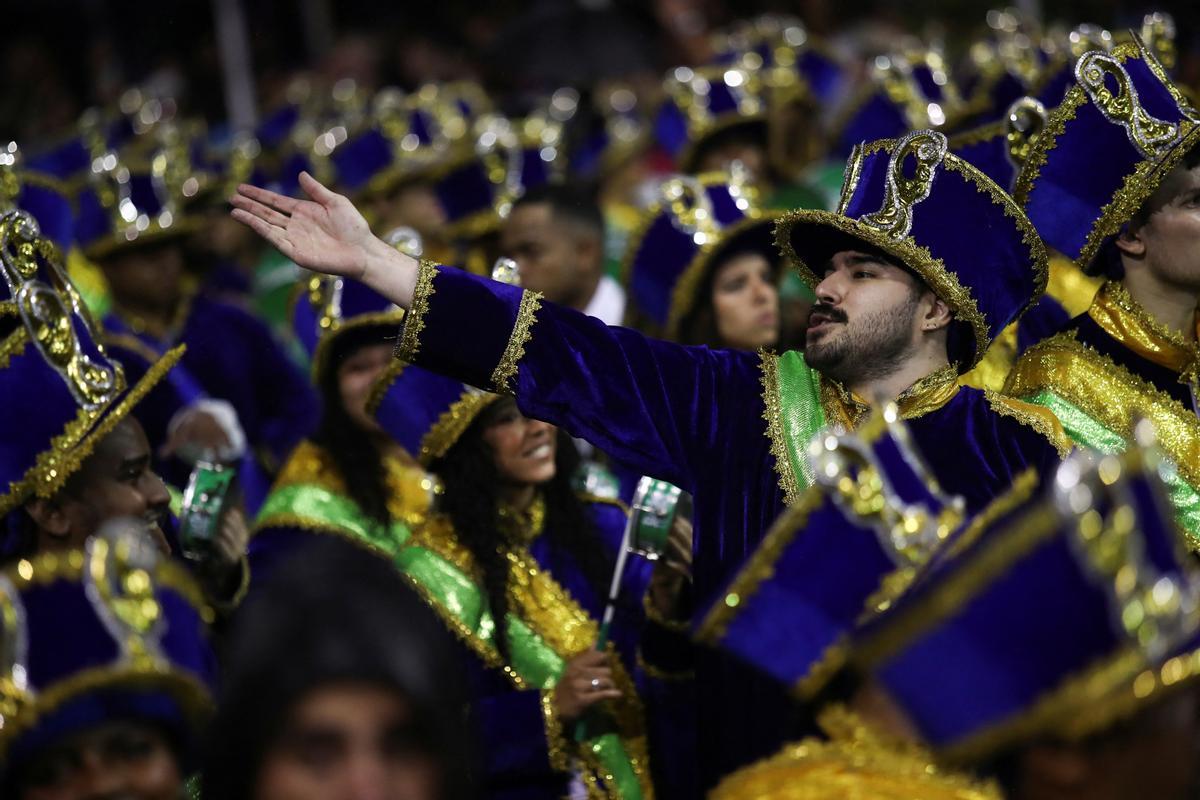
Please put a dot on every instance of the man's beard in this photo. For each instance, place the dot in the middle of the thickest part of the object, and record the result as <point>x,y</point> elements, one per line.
<point>872,348</point>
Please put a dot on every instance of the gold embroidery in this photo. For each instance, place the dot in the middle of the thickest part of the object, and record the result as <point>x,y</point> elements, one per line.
<point>514,351</point>
<point>523,526</point>
<point>1146,176</point>
<point>854,165</point>
<point>1109,394</point>
<point>856,761</point>
<point>409,488</point>
<point>557,744</point>
<point>453,423</point>
<point>894,218</point>
<point>925,396</point>
<point>773,416</point>
<point>1037,417</point>
<point>410,334</point>
<point>1025,121</point>
<point>555,617</point>
<point>1152,136</point>
<point>79,438</point>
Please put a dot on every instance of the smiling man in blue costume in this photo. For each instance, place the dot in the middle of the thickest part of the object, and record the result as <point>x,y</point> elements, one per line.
<point>132,222</point>
<point>925,261</point>
<point>1114,184</point>
<point>105,673</point>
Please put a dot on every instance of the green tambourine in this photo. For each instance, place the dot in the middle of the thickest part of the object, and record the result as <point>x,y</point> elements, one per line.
<point>655,505</point>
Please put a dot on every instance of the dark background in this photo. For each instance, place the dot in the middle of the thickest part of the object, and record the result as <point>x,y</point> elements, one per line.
<point>60,56</point>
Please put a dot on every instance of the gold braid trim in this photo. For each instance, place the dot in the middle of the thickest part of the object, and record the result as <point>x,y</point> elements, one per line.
<point>557,744</point>
<point>773,416</point>
<point>383,383</point>
<point>414,321</point>
<point>1039,418</point>
<point>79,438</point>
<point>1056,123</point>
<point>452,424</point>
<point>1138,185</point>
<point>1080,705</point>
<point>514,351</point>
<point>1003,548</point>
<point>13,344</point>
<point>1109,394</point>
<point>1126,321</point>
<point>978,135</point>
<point>550,612</point>
<point>855,762</point>
<point>759,568</point>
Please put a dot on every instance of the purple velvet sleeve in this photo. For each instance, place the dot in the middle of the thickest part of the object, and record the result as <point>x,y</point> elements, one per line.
<point>653,405</point>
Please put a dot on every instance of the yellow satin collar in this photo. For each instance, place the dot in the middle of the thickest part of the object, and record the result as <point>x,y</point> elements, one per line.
<point>1120,316</point>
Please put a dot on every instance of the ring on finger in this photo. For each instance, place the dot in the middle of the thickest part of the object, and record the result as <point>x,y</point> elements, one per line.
<point>595,684</point>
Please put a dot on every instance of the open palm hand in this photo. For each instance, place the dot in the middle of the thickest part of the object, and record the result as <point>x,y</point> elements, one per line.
<point>325,234</point>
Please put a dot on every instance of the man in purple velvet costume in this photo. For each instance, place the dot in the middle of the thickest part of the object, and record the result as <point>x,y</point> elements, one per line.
<point>924,263</point>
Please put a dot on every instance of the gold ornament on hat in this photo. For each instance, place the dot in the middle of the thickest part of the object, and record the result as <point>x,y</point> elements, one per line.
<point>902,192</point>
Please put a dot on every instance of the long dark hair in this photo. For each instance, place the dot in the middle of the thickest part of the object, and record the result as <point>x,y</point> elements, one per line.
<point>471,500</point>
<point>355,452</point>
<point>334,613</point>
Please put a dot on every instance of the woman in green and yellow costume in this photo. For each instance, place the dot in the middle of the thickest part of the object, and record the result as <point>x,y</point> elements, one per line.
<point>518,565</point>
<point>348,477</point>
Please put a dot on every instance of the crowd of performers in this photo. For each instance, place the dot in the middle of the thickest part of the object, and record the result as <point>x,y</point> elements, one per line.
<point>812,424</point>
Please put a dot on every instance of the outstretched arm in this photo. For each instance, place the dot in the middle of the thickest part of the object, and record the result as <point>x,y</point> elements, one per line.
<point>326,234</point>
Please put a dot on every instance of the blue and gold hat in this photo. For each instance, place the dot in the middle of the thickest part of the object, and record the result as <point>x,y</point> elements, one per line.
<point>905,92</point>
<point>1121,128</point>
<point>1003,66</point>
<point>114,631</point>
<point>874,510</point>
<point>60,391</point>
<point>45,197</point>
<point>942,218</point>
<point>704,102</point>
<point>681,238</point>
<point>404,139</point>
<point>327,308</point>
<point>1054,617</point>
<point>1058,73</point>
<point>999,149</point>
<point>127,205</point>
<point>425,412</point>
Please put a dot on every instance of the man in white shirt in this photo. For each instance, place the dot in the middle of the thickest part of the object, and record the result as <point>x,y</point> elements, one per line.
<point>555,233</point>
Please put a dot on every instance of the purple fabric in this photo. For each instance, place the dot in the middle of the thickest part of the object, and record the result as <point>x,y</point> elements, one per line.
<point>694,417</point>
<point>233,356</point>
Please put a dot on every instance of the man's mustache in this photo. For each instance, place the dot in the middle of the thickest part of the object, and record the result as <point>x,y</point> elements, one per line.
<point>827,311</point>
